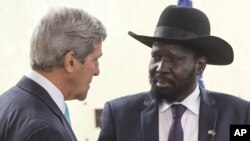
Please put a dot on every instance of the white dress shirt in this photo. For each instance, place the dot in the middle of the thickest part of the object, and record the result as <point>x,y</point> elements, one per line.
<point>53,91</point>
<point>189,120</point>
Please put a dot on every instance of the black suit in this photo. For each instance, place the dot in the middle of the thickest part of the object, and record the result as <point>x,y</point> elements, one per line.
<point>28,113</point>
<point>135,118</point>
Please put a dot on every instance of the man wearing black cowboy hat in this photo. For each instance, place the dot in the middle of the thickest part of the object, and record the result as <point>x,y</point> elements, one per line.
<point>176,108</point>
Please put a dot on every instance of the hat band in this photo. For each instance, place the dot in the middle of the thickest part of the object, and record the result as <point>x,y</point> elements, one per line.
<point>172,33</point>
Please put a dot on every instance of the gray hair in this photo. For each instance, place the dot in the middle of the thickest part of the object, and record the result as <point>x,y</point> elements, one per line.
<point>62,30</point>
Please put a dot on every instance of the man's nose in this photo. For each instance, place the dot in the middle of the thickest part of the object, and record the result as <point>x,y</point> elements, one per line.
<point>97,71</point>
<point>163,65</point>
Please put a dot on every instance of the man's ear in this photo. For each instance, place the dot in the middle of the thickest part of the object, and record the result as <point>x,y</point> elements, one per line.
<point>201,64</point>
<point>69,61</point>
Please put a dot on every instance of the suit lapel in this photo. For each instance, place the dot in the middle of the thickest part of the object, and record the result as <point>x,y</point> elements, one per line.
<point>149,120</point>
<point>208,118</point>
<point>36,90</point>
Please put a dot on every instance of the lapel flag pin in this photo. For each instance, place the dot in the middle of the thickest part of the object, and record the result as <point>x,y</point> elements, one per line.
<point>211,132</point>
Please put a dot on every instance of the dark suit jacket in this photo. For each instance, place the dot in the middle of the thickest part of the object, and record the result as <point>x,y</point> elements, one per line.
<point>27,113</point>
<point>135,118</point>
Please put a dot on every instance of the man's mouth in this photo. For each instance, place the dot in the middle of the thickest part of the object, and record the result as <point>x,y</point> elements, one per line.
<point>163,83</point>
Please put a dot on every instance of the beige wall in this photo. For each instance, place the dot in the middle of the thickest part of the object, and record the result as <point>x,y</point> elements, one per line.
<point>124,65</point>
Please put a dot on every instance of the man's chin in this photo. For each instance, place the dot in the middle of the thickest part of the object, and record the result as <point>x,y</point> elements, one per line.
<point>163,93</point>
<point>82,96</point>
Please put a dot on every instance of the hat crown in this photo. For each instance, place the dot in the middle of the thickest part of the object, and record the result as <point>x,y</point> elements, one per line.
<point>189,27</point>
<point>188,20</point>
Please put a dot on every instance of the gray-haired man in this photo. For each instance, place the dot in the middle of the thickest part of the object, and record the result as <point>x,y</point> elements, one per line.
<point>65,48</point>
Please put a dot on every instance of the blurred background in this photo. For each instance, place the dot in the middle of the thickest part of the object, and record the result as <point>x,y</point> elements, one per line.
<point>124,64</point>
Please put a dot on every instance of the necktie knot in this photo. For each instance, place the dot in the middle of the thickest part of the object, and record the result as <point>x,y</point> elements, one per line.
<point>178,110</point>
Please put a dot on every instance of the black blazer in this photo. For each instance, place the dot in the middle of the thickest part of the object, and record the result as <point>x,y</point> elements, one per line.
<point>27,113</point>
<point>135,118</point>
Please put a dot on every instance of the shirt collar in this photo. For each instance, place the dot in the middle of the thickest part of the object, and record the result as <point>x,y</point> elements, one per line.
<point>53,91</point>
<point>192,102</point>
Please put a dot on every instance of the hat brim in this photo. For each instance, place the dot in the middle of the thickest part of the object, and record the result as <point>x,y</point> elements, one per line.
<point>217,51</point>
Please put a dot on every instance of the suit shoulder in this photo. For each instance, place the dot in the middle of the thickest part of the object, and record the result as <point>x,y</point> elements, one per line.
<point>122,107</point>
<point>227,98</point>
<point>129,101</point>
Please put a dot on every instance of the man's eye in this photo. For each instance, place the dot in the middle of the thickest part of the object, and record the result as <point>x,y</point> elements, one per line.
<point>156,58</point>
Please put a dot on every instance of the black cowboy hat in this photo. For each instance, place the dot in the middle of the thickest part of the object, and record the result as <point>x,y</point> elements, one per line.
<point>189,27</point>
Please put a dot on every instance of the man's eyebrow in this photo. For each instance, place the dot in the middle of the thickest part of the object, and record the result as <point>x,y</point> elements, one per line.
<point>156,51</point>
